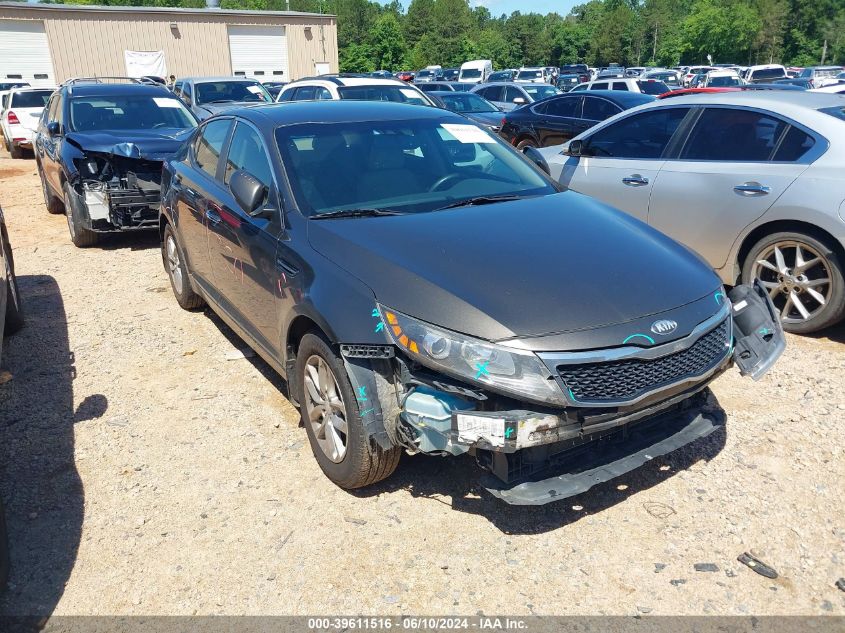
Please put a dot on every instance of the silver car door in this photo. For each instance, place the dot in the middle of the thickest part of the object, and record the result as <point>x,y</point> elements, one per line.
<point>733,167</point>
<point>624,159</point>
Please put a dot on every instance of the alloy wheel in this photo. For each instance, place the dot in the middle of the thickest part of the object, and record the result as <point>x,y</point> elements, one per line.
<point>797,278</point>
<point>325,409</point>
<point>174,264</point>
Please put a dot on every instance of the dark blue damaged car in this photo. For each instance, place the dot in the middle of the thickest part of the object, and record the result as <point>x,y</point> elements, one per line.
<point>423,287</point>
<point>99,148</point>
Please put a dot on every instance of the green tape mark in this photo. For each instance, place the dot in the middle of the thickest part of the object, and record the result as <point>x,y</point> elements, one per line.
<point>645,336</point>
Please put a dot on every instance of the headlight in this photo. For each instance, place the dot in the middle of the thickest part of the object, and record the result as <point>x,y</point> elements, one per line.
<point>515,372</point>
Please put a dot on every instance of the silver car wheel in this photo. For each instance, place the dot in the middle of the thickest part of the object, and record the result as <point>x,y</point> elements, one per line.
<point>174,264</point>
<point>797,278</point>
<point>325,409</point>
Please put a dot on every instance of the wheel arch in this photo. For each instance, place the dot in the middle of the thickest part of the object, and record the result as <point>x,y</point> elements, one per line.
<point>777,226</point>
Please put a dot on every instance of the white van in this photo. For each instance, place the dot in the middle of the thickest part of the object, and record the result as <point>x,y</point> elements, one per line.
<point>475,72</point>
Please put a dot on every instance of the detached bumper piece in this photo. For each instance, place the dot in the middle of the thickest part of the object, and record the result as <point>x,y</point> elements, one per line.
<point>605,460</point>
<point>758,330</point>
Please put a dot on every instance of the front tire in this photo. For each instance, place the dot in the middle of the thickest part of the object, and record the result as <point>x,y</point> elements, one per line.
<point>81,236</point>
<point>333,420</point>
<point>177,270</point>
<point>526,142</point>
<point>804,277</point>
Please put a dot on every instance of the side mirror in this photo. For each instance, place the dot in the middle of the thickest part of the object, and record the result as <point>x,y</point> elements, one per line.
<point>576,148</point>
<point>54,128</point>
<point>249,192</point>
<point>532,154</point>
<point>520,101</point>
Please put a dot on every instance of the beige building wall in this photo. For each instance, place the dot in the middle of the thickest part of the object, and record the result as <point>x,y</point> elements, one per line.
<point>92,42</point>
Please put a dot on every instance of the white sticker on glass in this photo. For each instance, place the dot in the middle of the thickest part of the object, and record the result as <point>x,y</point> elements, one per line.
<point>467,133</point>
<point>167,102</point>
<point>256,90</point>
<point>411,94</point>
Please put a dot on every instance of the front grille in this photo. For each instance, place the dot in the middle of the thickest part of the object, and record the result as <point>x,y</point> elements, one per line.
<point>623,380</point>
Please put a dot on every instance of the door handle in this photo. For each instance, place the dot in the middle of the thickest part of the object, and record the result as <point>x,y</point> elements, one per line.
<point>752,189</point>
<point>213,217</point>
<point>285,266</point>
<point>635,180</point>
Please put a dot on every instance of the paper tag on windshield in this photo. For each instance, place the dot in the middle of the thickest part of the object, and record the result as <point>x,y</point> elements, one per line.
<point>167,102</point>
<point>411,94</point>
<point>467,133</point>
<point>256,90</point>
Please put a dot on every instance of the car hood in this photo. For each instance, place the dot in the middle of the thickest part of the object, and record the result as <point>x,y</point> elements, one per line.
<point>146,144</point>
<point>486,118</point>
<point>528,268</point>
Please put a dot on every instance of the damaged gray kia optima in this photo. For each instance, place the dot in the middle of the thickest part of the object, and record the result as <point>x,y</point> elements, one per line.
<point>421,286</point>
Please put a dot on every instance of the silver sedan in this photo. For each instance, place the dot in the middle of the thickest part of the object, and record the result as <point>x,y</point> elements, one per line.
<point>752,181</point>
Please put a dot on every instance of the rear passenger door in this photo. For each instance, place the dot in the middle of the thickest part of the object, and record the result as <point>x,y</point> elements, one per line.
<point>559,119</point>
<point>733,166</point>
<point>624,159</point>
<point>493,94</point>
<point>594,110</point>
<point>197,195</point>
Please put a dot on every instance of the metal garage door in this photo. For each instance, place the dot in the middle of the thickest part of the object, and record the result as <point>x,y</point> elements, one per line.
<point>24,52</point>
<point>260,52</point>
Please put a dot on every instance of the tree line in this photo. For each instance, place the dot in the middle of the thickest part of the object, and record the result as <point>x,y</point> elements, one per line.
<point>373,36</point>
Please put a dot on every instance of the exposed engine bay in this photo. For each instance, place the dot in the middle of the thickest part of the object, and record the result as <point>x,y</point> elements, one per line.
<point>119,193</point>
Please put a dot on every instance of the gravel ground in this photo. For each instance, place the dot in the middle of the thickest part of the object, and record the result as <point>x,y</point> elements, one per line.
<point>144,473</point>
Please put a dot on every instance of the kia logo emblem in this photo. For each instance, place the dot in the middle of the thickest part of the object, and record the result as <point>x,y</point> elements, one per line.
<point>664,326</point>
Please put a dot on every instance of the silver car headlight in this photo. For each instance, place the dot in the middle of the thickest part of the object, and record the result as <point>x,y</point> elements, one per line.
<point>514,372</point>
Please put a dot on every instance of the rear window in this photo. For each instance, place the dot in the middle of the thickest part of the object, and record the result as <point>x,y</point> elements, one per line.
<point>768,73</point>
<point>231,92</point>
<point>381,93</point>
<point>653,87</point>
<point>32,99</point>
<point>541,91</point>
<point>529,74</point>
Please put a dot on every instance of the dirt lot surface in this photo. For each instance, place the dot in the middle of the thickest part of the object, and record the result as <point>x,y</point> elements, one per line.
<point>144,473</point>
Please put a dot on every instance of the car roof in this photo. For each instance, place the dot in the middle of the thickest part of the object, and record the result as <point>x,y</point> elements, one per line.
<point>351,81</point>
<point>625,98</point>
<point>340,111</point>
<point>202,80</point>
<point>97,89</point>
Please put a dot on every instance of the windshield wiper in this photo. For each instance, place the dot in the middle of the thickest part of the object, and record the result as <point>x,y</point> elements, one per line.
<point>354,213</point>
<point>222,101</point>
<point>479,200</point>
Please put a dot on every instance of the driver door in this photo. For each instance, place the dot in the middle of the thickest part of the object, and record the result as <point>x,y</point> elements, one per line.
<point>624,160</point>
<point>242,247</point>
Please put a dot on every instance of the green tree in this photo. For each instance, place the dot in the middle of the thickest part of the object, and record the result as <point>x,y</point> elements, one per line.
<point>388,43</point>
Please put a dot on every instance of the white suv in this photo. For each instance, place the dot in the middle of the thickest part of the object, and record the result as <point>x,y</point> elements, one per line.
<point>352,87</point>
<point>647,86</point>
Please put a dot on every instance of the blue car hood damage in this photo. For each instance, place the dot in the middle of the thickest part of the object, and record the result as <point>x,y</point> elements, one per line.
<point>144,144</point>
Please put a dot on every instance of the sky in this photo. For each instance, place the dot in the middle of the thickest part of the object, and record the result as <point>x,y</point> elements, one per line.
<point>497,7</point>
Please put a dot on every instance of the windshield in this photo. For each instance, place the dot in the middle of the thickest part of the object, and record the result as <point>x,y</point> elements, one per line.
<point>720,82</point>
<point>231,91</point>
<point>382,93</point>
<point>470,73</point>
<point>768,73</point>
<point>541,92</point>
<point>14,84</point>
<point>424,73</point>
<point>653,87</point>
<point>411,166</point>
<point>467,102</point>
<point>117,112</point>
<point>530,74</point>
<point>31,99</point>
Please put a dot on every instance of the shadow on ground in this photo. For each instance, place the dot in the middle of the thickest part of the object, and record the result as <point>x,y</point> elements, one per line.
<point>131,240</point>
<point>39,482</point>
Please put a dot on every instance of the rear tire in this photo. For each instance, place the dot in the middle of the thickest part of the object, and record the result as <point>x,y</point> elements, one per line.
<point>359,465</point>
<point>81,236</point>
<point>14,311</point>
<point>15,151</point>
<point>794,283</point>
<point>177,270</point>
